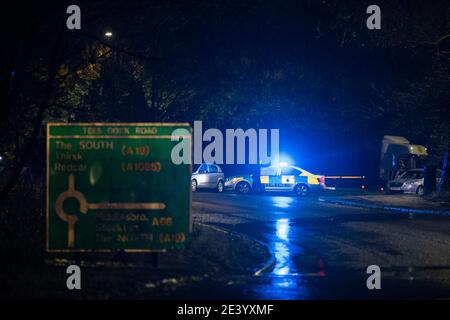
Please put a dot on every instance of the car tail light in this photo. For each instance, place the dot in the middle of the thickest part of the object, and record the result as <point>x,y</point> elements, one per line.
<point>321,180</point>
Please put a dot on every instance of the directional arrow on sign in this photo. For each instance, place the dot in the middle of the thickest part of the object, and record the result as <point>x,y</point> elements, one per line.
<point>71,219</point>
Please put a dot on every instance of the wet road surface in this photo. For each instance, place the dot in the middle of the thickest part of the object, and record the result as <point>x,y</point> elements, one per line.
<point>322,251</point>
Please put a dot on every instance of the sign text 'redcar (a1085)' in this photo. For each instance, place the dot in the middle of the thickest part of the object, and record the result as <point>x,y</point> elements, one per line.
<point>113,186</point>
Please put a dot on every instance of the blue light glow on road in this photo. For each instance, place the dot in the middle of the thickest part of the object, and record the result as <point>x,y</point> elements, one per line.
<point>282,202</point>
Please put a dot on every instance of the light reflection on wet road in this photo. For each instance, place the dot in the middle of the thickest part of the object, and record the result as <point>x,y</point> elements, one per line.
<point>322,251</point>
<point>281,249</point>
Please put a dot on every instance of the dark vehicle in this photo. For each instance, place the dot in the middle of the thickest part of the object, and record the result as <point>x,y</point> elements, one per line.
<point>398,155</point>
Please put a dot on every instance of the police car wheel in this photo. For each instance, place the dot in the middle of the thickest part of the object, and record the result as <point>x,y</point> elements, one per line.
<point>219,188</point>
<point>243,187</point>
<point>301,190</point>
<point>193,185</point>
<point>420,191</point>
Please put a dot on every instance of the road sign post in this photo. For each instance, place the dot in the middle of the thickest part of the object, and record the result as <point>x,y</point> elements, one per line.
<point>113,186</point>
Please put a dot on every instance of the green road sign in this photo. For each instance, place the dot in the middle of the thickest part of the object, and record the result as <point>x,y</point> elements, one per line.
<point>114,186</point>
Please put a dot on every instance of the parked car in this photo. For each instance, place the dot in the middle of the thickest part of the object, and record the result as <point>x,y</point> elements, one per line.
<point>410,181</point>
<point>279,178</point>
<point>208,176</point>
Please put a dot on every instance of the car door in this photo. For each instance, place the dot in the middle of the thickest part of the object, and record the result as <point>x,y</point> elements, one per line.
<point>213,175</point>
<point>270,178</point>
<point>417,179</point>
<point>288,176</point>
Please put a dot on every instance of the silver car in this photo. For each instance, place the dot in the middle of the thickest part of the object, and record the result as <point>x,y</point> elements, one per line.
<point>409,182</point>
<point>208,176</point>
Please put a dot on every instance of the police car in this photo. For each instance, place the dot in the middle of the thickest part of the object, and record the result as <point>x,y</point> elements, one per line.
<point>279,178</point>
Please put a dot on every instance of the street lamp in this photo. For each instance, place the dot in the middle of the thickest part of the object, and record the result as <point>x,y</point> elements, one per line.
<point>108,34</point>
